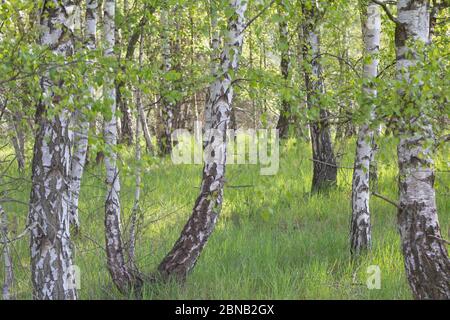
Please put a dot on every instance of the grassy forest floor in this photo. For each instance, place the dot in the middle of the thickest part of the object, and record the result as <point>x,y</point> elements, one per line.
<point>273,241</point>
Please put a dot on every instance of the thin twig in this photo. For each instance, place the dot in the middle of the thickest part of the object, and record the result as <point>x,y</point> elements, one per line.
<point>387,200</point>
<point>386,9</point>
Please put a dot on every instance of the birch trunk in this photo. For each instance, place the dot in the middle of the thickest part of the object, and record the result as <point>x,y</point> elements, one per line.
<point>285,112</point>
<point>137,189</point>
<point>167,106</point>
<point>141,114</point>
<point>51,253</point>
<point>425,254</point>
<point>183,256</point>
<point>360,230</point>
<point>122,277</point>
<point>324,162</point>
<point>80,145</point>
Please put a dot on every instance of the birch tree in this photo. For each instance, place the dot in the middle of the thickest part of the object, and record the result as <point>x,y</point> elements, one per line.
<point>82,124</point>
<point>360,230</point>
<point>426,259</point>
<point>285,112</point>
<point>124,279</point>
<point>167,105</point>
<point>183,256</point>
<point>324,162</point>
<point>51,253</point>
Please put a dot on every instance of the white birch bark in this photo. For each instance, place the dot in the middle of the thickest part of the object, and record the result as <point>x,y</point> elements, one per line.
<point>182,258</point>
<point>215,64</point>
<point>122,277</point>
<point>51,253</point>
<point>360,231</point>
<point>167,107</point>
<point>80,144</point>
<point>426,258</point>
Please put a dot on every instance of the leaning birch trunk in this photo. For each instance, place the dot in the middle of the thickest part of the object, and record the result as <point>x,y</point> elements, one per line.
<point>80,145</point>
<point>7,259</point>
<point>425,254</point>
<point>51,253</point>
<point>183,256</point>
<point>122,277</point>
<point>324,162</point>
<point>360,230</point>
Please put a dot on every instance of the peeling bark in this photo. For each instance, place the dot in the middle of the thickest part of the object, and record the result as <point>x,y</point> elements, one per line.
<point>360,230</point>
<point>183,256</point>
<point>124,279</point>
<point>51,253</point>
<point>426,258</point>
<point>324,164</point>
<point>81,122</point>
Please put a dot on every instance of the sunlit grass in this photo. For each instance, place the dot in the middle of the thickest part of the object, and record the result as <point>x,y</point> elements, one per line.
<point>274,240</point>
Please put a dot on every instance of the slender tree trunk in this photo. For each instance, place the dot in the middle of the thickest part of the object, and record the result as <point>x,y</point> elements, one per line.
<point>122,277</point>
<point>426,259</point>
<point>141,114</point>
<point>7,259</point>
<point>324,162</point>
<point>214,65</point>
<point>167,105</point>
<point>360,231</point>
<point>284,119</point>
<point>17,137</point>
<point>137,195</point>
<point>80,145</point>
<point>183,256</point>
<point>51,253</point>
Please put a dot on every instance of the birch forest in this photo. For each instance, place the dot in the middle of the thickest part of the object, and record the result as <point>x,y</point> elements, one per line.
<point>224,149</point>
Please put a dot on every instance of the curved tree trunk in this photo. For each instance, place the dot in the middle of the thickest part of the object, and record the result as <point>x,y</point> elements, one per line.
<point>124,279</point>
<point>360,230</point>
<point>183,256</point>
<point>51,254</point>
<point>324,162</point>
<point>80,145</point>
<point>426,259</point>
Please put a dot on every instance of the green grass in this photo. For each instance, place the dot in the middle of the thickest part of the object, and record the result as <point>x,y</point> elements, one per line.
<point>273,240</point>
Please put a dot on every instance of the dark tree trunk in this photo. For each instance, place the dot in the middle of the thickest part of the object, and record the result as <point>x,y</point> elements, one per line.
<point>324,162</point>
<point>285,117</point>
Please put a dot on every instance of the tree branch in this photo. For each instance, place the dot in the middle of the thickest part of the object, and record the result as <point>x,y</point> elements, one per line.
<point>383,5</point>
<point>387,200</point>
<point>258,15</point>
